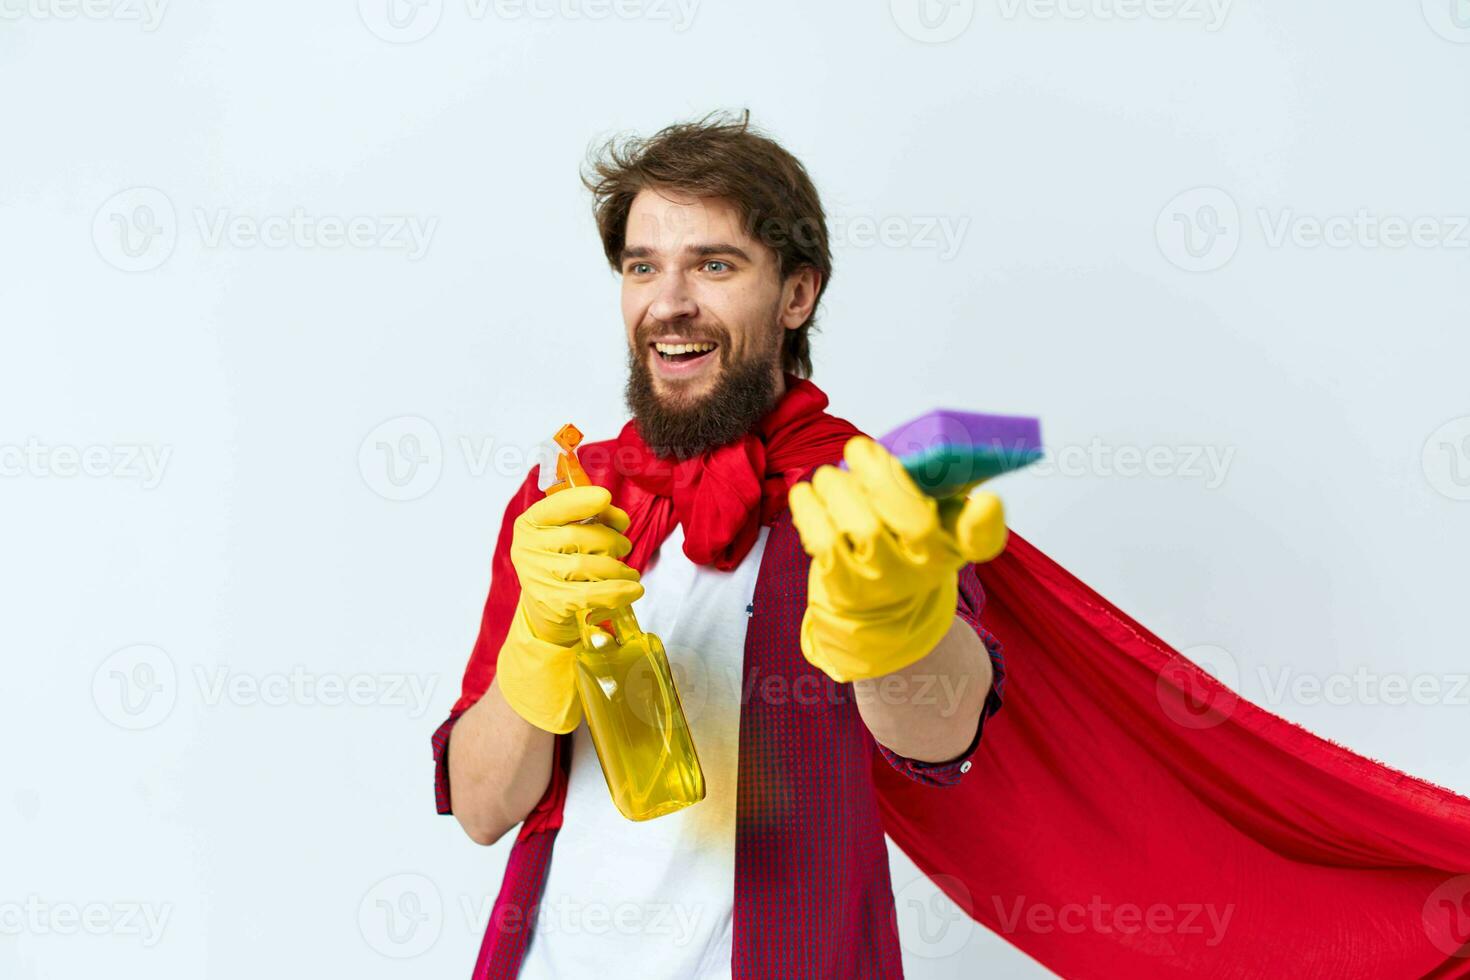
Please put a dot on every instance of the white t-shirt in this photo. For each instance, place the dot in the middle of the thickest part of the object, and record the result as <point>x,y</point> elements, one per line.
<point>653,899</point>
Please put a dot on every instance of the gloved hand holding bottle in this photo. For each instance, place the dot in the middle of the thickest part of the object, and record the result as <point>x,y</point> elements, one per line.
<point>564,566</point>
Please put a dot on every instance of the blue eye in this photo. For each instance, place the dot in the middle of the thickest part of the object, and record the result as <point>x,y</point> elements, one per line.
<point>723,266</point>
<point>640,268</point>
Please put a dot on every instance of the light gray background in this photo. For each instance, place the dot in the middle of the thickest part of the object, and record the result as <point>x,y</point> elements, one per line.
<point>156,765</point>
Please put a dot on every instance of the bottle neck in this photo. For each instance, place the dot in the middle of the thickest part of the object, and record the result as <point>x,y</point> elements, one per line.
<point>624,628</point>
<point>626,622</point>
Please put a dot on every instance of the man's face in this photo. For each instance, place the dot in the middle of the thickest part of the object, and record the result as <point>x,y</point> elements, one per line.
<point>693,276</point>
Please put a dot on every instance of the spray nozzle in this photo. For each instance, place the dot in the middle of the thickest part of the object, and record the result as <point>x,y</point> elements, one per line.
<point>559,466</point>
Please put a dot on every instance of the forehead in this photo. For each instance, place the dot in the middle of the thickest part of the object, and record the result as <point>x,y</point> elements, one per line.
<point>668,220</point>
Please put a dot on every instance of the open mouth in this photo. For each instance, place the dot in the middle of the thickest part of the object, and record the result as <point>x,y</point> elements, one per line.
<point>684,355</point>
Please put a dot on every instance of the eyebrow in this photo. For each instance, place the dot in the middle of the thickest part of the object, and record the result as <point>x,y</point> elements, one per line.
<point>698,251</point>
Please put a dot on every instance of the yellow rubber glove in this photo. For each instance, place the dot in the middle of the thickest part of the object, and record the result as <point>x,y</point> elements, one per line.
<point>563,567</point>
<point>883,585</point>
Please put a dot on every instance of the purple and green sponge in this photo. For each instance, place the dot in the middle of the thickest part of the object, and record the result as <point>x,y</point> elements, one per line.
<point>948,452</point>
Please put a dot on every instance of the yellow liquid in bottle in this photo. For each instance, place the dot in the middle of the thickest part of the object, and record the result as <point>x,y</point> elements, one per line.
<point>636,721</point>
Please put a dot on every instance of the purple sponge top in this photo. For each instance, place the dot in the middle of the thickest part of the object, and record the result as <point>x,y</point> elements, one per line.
<point>1016,433</point>
<point>947,452</point>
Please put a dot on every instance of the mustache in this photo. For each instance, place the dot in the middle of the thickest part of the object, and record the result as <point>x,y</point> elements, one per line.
<point>698,331</point>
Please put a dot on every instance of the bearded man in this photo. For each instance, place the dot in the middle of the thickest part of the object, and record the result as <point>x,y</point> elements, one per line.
<point>1129,816</point>
<point>820,618</point>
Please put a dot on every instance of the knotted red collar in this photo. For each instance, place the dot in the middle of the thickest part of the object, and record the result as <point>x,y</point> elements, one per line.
<point>723,496</point>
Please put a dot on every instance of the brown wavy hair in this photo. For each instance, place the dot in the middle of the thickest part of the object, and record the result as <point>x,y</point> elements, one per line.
<point>720,155</point>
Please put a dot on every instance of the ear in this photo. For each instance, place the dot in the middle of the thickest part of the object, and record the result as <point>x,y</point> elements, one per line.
<point>799,296</point>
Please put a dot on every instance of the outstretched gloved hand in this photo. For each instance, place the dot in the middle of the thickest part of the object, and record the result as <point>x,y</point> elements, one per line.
<point>564,567</point>
<point>883,584</point>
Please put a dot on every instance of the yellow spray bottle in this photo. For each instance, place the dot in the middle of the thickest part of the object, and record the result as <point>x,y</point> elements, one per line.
<point>628,696</point>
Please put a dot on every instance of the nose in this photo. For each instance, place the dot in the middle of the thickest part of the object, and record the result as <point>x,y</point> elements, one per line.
<point>673,299</point>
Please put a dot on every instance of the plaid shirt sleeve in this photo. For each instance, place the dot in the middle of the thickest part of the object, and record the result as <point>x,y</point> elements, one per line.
<point>971,601</point>
<point>441,763</point>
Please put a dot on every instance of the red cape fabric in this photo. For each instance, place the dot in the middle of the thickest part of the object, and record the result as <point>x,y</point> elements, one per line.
<point>1121,782</point>
<point>1127,815</point>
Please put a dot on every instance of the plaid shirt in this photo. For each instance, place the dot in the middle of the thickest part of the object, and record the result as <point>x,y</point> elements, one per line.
<point>812,892</point>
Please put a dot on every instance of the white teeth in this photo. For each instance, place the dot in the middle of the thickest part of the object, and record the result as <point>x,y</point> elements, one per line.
<point>683,348</point>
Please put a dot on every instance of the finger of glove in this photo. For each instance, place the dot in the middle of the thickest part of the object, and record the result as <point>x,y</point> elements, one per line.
<point>614,517</point>
<point>858,525</point>
<point>571,539</point>
<point>819,536</point>
<point>980,527</point>
<point>609,594</point>
<point>556,583</point>
<point>568,507</point>
<point>559,600</point>
<point>900,503</point>
<point>588,568</point>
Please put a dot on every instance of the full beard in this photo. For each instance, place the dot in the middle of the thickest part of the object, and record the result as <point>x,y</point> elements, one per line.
<point>742,393</point>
